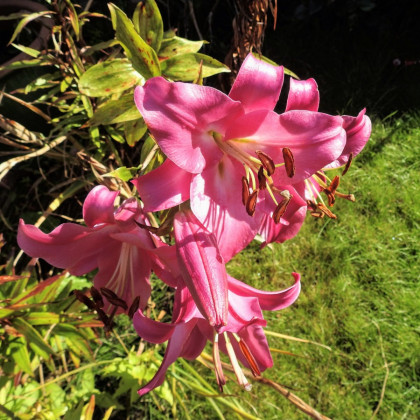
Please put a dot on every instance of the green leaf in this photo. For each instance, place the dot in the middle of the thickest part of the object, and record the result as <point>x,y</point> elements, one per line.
<point>109,77</point>
<point>42,318</point>
<point>148,23</point>
<point>74,19</point>
<point>175,45</point>
<point>267,60</point>
<point>123,173</point>
<point>142,56</point>
<point>134,131</point>
<point>186,67</point>
<point>30,51</point>
<point>116,111</point>
<point>25,21</point>
<point>34,338</point>
<point>19,352</point>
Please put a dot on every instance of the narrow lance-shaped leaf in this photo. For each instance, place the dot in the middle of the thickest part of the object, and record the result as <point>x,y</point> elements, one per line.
<point>148,23</point>
<point>142,56</point>
<point>34,338</point>
<point>109,77</point>
<point>186,67</point>
<point>134,131</point>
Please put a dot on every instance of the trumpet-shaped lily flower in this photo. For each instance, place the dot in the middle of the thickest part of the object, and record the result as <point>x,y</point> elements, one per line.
<point>242,338</point>
<point>215,141</point>
<point>304,95</point>
<point>111,241</point>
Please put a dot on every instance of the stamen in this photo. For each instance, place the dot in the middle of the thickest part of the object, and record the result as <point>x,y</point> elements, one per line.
<point>349,197</point>
<point>235,364</point>
<point>113,298</point>
<point>245,190</point>
<point>266,161</point>
<point>251,203</point>
<point>289,162</point>
<point>84,299</point>
<point>280,209</point>
<point>326,211</point>
<point>220,377</point>
<point>97,297</point>
<point>348,163</point>
<point>248,356</point>
<point>134,306</point>
<point>262,180</point>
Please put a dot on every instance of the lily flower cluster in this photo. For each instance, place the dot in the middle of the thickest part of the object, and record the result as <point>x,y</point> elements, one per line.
<point>235,168</point>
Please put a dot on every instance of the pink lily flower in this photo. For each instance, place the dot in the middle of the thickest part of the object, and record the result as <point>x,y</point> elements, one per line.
<point>214,141</point>
<point>242,338</point>
<point>111,241</point>
<point>304,95</point>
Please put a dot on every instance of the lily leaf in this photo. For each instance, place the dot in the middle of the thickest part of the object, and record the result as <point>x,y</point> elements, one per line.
<point>175,45</point>
<point>124,173</point>
<point>116,111</point>
<point>142,56</point>
<point>186,67</point>
<point>109,77</point>
<point>148,23</point>
<point>134,131</point>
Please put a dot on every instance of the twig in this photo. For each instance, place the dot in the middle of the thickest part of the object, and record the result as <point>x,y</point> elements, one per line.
<point>375,412</point>
<point>190,4</point>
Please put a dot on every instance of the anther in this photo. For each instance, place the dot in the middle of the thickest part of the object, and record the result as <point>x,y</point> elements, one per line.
<point>134,306</point>
<point>248,356</point>
<point>326,211</point>
<point>289,162</point>
<point>97,297</point>
<point>348,163</point>
<point>251,203</point>
<point>245,191</point>
<point>84,299</point>
<point>262,180</point>
<point>113,298</point>
<point>281,208</point>
<point>266,161</point>
<point>349,197</point>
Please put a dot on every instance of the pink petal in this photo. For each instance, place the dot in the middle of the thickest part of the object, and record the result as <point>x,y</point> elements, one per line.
<point>216,200</point>
<point>165,187</point>
<point>68,246</point>
<point>125,271</point>
<point>258,84</point>
<point>129,210</point>
<point>196,341</point>
<point>358,132</point>
<point>303,94</point>
<point>152,331</point>
<point>99,206</point>
<point>256,340</point>
<point>180,116</point>
<point>315,139</point>
<point>269,301</point>
<point>202,267</point>
<point>173,351</point>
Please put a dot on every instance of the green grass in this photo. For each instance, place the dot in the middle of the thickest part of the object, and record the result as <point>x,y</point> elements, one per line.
<point>360,292</point>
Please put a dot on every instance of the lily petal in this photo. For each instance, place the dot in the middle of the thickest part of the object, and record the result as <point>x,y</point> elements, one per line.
<point>98,206</point>
<point>303,94</point>
<point>181,117</point>
<point>164,187</point>
<point>258,84</point>
<point>269,301</point>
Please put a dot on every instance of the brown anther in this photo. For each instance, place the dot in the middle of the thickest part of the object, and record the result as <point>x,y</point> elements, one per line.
<point>134,306</point>
<point>334,184</point>
<point>348,163</point>
<point>326,211</point>
<point>245,190</point>
<point>312,205</point>
<point>94,292</point>
<point>84,299</point>
<point>159,231</point>
<point>249,358</point>
<point>267,162</point>
<point>349,197</point>
<point>103,316</point>
<point>113,298</point>
<point>317,214</point>
<point>262,180</point>
<point>289,162</point>
<point>251,203</point>
<point>280,209</point>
